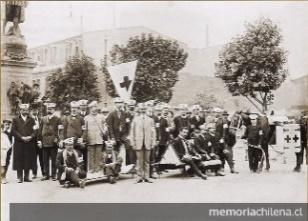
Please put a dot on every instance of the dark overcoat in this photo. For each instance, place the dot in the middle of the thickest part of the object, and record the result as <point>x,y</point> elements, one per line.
<point>24,153</point>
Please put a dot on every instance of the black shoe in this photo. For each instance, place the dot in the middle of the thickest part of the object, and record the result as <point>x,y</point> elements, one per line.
<point>147,181</point>
<point>153,177</point>
<point>234,171</point>
<point>28,180</point>
<point>54,178</point>
<point>45,178</point>
<point>112,180</point>
<point>19,181</point>
<point>297,169</point>
<point>34,177</point>
<point>139,181</point>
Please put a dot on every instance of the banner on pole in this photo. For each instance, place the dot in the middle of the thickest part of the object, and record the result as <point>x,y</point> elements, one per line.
<point>123,77</point>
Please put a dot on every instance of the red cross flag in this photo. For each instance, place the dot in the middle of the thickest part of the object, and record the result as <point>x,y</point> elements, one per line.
<point>123,76</point>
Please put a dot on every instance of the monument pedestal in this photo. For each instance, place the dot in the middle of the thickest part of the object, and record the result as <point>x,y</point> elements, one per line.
<point>15,67</point>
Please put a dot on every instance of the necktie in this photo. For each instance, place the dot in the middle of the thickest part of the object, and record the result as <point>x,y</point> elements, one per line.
<point>185,146</point>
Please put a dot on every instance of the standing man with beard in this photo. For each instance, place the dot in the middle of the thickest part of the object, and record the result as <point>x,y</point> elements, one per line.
<point>116,122</point>
<point>74,126</point>
<point>48,139</point>
<point>25,131</point>
<point>95,133</point>
<point>181,121</point>
<point>83,108</point>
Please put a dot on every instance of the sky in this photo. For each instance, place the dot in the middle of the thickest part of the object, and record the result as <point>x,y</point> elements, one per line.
<point>185,21</point>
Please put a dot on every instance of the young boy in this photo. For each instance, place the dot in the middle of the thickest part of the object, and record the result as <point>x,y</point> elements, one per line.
<point>68,168</point>
<point>111,163</point>
<point>6,148</point>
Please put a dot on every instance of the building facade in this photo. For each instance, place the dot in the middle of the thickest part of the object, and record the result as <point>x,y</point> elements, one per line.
<point>94,44</point>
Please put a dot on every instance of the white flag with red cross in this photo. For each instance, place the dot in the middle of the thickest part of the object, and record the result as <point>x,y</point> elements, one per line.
<point>123,77</point>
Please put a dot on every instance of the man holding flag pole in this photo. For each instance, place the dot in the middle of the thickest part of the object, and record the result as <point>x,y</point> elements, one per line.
<point>123,76</point>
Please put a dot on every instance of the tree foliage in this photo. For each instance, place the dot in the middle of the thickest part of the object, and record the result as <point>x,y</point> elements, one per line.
<point>206,101</point>
<point>159,61</point>
<point>252,64</point>
<point>77,80</point>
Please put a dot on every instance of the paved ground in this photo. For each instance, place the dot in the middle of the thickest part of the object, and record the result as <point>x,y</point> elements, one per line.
<point>280,185</point>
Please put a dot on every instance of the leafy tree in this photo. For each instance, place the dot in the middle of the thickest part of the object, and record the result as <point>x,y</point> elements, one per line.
<point>207,101</point>
<point>77,80</point>
<point>159,61</point>
<point>252,64</point>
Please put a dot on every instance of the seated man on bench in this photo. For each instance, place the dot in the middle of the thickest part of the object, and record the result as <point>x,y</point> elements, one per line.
<point>69,171</point>
<point>203,147</point>
<point>187,155</point>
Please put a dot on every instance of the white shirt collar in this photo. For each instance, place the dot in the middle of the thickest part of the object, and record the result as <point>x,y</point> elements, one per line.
<point>24,117</point>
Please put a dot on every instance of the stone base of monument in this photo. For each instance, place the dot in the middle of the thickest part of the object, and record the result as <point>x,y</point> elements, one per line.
<point>16,67</point>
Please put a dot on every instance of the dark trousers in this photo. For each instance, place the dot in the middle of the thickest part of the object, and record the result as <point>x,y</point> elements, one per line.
<point>254,156</point>
<point>300,155</point>
<point>50,154</point>
<point>23,174</point>
<point>229,156</point>
<point>7,162</point>
<point>39,155</point>
<point>123,141</point>
<point>113,169</point>
<point>130,155</point>
<point>71,176</point>
<point>161,150</point>
<point>225,157</point>
<point>195,167</point>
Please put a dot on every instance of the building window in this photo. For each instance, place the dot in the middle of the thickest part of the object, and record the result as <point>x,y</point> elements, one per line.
<point>68,50</point>
<point>46,56</point>
<point>54,55</point>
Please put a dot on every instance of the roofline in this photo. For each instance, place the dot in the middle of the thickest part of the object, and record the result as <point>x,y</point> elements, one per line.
<point>104,30</point>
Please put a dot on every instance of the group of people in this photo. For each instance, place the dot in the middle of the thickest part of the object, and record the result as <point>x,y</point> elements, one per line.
<point>87,141</point>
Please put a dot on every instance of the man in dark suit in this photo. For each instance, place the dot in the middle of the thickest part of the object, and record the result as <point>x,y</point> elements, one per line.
<point>24,130</point>
<point>39,152</point>
<point>182,120</point>
<point>197,119</point>
<point>187,155</point>
<point>48,139</point>
<point>303,122</point>
<point>130,114</point>
<point>83,112</point>
<point>203,146</point>
<point>226,139</point>
<point>74,126</point>
<point>117,125</point>
<point>162,132</point>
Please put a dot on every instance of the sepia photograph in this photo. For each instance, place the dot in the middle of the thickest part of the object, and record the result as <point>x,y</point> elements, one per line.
<point>128,108</point>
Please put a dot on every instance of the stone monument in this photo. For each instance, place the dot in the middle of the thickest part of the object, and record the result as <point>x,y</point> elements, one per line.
<point>16,66</point>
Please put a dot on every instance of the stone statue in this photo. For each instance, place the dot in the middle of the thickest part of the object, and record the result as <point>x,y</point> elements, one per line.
<point>15,13</point>
<point>13,94</point>
<point>13,43</point>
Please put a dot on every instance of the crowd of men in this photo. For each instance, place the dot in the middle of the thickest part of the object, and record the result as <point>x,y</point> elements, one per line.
<point>86,141</point>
